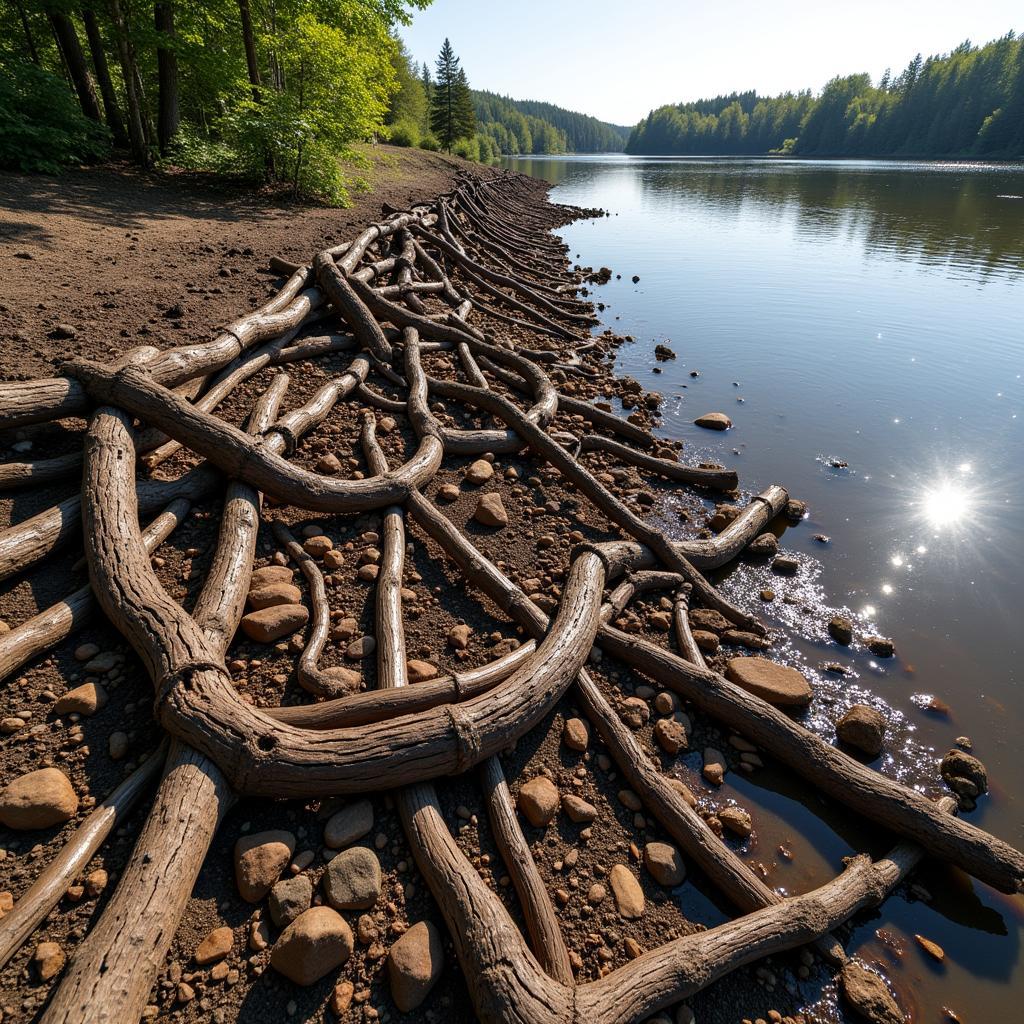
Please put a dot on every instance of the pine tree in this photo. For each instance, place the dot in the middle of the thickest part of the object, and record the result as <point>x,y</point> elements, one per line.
<point>448,114</point>
<point>462,106</point>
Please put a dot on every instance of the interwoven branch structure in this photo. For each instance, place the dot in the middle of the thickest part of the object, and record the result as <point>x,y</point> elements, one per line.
<point>407,325</point>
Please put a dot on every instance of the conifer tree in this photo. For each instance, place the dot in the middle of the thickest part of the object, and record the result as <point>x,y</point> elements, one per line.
<point>451,106</point>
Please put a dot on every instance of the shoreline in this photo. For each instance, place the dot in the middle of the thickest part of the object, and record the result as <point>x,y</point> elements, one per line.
<point>434,618</point>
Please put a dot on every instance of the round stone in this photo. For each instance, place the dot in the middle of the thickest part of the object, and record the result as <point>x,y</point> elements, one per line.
<point>665,863</point>
<point>414,965</point>
<point>314,944</point>
<point>352,880</point>
<point>538,800</point>
<point>39,799</point>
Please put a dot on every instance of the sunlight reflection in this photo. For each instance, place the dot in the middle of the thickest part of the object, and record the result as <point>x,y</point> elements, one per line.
<point>946,503</point>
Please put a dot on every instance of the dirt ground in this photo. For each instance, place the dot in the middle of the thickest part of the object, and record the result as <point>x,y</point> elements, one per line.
<point>108,253</point>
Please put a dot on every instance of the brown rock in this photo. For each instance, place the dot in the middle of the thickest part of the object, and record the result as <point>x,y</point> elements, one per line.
<point>933,949</point>
<point>490,511</point>
<point>317,547</point>
<point>341,997</point>
<point>736,820</point>
<point>270,574</point>
<point>576,734</point>
<point>290,897</point>
<point>840,629</point>
<point>270,624</point>
<point>577,809</point>
<point>215,946</point>
<point>259,860</point>
<point>665,863</point>
<point>329,464</point>
<point>880,646</point>
<point>777,684</point>
<point>706,640</point>
<point>670,734</point>
<point>48,960</point>
<point>420,671</point>
<point>86,699</point>
<point>538,800</point>
<point>38,799</point>
<point>764,546</point>
<point>714,766</point>
<point>864,728</point>
<point>274,594</point>
<point>629,897</point>
<point>708,619</point>
<point>958,764</point>
<point>414,965</point>
<point>714,421</point>
<point>313,945</point>
<point>448,492</point>
<point>867,993</point>
<point>458,636</point>
<point>479,472</point>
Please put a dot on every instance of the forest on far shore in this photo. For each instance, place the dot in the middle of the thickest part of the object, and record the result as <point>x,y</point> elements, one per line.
<point>969,102</point>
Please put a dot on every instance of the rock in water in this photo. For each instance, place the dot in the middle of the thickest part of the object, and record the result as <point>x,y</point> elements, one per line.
<point>38,800</point>
<point>629,897</point>
<point>840,629</point>
<point>714,421</point>
<point>538,800</point>
<point>352,880</point>
<point>313,945</point>
<point>414,965</point>
<point>864,728</point>
<point>777,684</point>
<point>958,764</point>
<point>867,993</point>
<point>490,511</point>
<point>259,860</point>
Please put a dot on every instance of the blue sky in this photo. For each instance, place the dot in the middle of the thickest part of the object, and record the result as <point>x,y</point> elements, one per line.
<point>616,59</point>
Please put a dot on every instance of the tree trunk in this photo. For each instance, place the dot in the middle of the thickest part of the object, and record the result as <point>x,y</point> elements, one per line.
<point>99,62</point>
<point>136,133</point>
<point>168,114</point>
<point>32,51</point>
<point>250,49</point>
<point>71,50</point>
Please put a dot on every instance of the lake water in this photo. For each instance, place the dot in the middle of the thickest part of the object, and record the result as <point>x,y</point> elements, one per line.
<point>872,314</point>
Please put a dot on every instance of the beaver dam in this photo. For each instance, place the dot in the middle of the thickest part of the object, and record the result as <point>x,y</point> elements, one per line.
<point>388,559</point>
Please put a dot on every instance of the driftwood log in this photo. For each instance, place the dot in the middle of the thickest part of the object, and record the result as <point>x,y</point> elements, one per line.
<point>399,299</point>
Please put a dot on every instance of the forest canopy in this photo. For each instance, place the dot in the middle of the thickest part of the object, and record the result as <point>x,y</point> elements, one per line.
<point>969,102</point>
<point>269,91</point>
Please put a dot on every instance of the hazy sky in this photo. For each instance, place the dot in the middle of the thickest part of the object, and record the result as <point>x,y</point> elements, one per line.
<point>616,59</point>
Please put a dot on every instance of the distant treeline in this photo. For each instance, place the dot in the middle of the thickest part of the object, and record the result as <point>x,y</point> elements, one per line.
<point>529,126</point>
<point>966,103</point>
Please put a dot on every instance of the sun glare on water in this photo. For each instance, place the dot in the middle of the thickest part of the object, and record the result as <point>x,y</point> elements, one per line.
<point>948,502</point>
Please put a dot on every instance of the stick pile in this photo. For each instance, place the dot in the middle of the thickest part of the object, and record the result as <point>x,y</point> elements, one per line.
<point>404,293</point>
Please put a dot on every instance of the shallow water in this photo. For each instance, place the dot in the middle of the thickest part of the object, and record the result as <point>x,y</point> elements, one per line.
<point>870,313</point>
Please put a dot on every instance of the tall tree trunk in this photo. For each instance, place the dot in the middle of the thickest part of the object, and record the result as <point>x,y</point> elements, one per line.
<point>99,62</point>
<point>136,134</point>
<point>250,48</point>
<point>71,50</point>
<point>167,71</point>
<point>32,51</point>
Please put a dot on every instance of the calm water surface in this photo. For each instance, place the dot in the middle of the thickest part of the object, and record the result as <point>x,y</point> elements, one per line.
<point>870,313</point>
